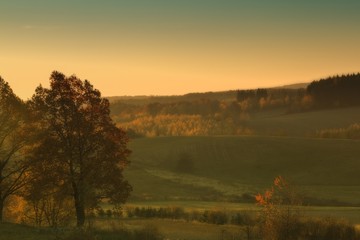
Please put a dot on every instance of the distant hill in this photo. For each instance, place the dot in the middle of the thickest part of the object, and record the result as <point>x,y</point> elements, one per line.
<point>140,100</point>
<point>229,95</point>
<point>113,99</point>
<point>295,86</point>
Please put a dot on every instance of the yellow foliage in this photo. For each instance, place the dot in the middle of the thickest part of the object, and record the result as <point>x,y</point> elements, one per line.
<point>184,125</point>
<point>15,209</point>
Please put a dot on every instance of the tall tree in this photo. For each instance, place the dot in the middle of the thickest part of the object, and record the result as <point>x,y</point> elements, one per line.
<point>12,143</point>
<point>81,147</point>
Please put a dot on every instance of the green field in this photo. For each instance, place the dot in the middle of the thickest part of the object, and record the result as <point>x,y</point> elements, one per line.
<point>305,124</point>
<point>232,166</point>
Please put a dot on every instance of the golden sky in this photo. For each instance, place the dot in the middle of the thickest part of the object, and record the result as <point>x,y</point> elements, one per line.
<point>165,47</point>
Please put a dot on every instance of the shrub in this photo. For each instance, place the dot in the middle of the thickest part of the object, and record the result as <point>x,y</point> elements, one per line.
<point>280,217</point>
<point>328,229</point>
<point>215,217</point>
<point>242,218</point>
<point>109,213</point>
<point>100,212</point>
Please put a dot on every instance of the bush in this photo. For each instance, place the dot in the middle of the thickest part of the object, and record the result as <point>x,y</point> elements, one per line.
<point>280,216</point>
<point>242,219</point>
<point>328,229</point>
<point>350,132</point>
<point>169,212</point>
<point>109,213</point>
<point>100,212</point>
<point>215,217</point>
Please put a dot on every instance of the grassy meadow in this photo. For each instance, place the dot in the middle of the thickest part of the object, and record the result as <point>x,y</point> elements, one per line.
<point>303,124</point>
<point>9,231</point>
<point>228,166</point>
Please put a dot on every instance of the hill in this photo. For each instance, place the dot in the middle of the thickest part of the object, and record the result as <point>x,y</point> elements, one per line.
<point>294,86</point>
<point>141,100</point>
<point>302,124</point>
<point>229,95</point>
<point>234,168</point>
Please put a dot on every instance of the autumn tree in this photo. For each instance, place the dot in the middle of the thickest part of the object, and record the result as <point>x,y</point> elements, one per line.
<point>280,215</point>
<point>79,147</point>
<point>12,142</point>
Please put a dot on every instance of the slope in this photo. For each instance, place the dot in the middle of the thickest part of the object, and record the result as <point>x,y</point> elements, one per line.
<point>230,168</point>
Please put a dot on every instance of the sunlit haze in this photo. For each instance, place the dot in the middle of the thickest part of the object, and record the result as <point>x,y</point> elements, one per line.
<point>165,47</point>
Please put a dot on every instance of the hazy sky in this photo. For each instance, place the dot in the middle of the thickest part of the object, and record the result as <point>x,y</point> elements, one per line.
<point>161,47</point>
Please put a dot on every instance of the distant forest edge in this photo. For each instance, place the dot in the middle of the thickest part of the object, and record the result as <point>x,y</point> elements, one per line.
<point>231,112</point>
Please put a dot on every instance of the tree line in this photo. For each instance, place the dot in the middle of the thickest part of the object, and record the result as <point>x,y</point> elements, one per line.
<point>60,151</point>
<point>330,92</point>
<point>227,113</point>
<point>336,91</point>
<point>200,117</point>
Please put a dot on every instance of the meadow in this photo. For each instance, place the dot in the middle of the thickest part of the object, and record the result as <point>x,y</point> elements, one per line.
<point>231,168</point>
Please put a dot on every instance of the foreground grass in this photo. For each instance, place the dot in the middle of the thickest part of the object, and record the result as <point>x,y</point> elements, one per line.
<point>172,229</point>
<point>9,231</point>
<point>129,229</point>
<point>121,229</point>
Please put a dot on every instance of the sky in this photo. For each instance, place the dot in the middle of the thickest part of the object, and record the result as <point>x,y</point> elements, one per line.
<point>172,47</point>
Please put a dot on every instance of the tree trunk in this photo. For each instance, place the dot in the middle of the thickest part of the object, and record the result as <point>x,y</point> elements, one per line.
<point>80,213</point>
<point>1,209</point>
<point>79,207</point>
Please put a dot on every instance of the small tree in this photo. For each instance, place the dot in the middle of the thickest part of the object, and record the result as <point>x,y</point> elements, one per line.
<point>280,215</point>
<point>79,145</point>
